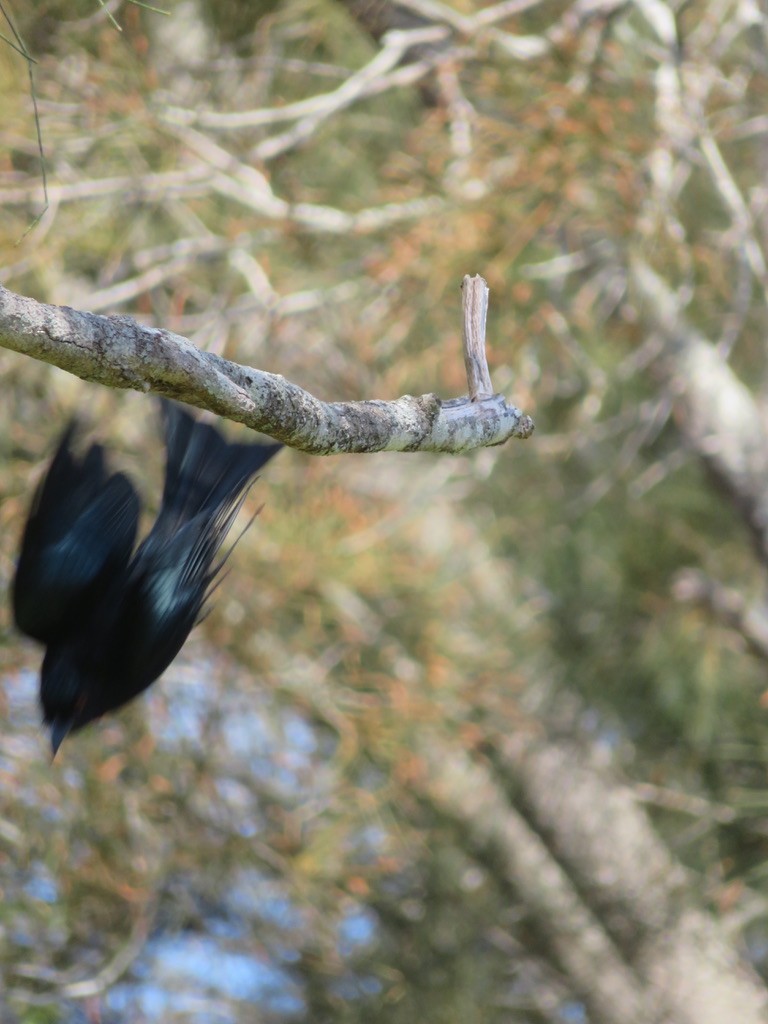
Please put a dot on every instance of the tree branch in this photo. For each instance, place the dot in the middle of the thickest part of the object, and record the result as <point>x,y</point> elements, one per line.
<point>685,963</point>
<point>715,409</point>
<point>474,295</point>
<point>466,793</point>
<point>122,353</point>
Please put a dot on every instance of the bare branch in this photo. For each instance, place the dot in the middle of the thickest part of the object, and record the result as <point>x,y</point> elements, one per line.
<point>122,353</point>
<point>246,185</point>
<point>194,181</point>
<point>680,957</point>
<point>474,295</point>
<point>716,411</point>
<point>468,795</point>
<point>369,80</point>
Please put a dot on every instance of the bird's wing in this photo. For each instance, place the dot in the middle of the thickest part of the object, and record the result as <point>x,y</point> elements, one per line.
<point>166,588</point>
<point>174,569</point>
<point>152,607</point>
<point>81,530</point>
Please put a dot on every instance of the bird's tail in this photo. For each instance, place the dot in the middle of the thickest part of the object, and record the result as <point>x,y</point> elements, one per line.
<point>204,471</point>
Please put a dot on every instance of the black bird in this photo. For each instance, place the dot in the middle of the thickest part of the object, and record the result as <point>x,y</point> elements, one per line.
<point>112,619</point>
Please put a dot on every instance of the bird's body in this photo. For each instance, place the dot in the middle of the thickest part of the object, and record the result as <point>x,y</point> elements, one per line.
<point>113,619</point>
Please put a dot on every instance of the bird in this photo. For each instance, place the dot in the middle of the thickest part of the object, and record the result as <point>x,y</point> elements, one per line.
<point>112,615</point>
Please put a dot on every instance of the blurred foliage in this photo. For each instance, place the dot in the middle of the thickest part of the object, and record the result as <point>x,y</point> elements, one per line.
<point>267,797</point>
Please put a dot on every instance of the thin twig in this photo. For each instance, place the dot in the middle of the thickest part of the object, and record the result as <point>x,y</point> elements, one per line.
<point>474,297</point>
<point>395,45</point>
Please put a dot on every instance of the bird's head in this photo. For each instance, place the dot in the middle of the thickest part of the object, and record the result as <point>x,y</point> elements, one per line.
<point>64,695</point>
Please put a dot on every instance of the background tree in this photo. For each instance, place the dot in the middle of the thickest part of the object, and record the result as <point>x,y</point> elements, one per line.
<point>476,737</point>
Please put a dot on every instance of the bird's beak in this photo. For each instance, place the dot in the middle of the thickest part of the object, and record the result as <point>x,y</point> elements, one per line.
<point>59,729</point>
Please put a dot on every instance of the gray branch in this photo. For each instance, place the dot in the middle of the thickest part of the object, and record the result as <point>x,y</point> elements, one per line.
<point>717,412</point>
<point>465,792</point>
<point>683,960</point>
<point>474,293</point>
<point>122,353</point>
